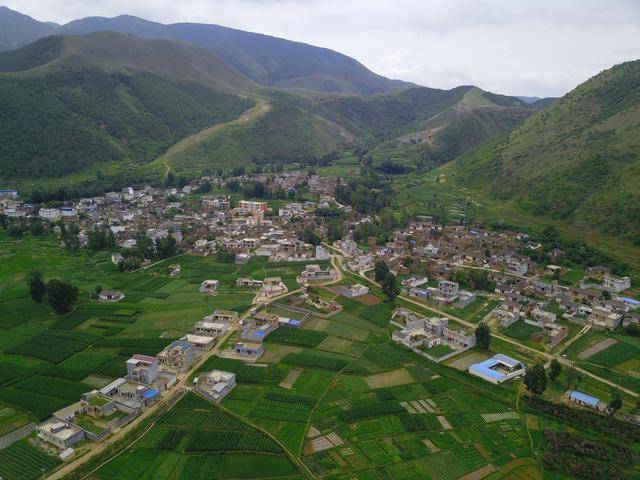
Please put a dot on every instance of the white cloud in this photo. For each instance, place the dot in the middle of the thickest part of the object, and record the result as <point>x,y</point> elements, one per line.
<point>526,47</point>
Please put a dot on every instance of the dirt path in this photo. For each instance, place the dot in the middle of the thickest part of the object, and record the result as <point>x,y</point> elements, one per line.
<point>259,109</point>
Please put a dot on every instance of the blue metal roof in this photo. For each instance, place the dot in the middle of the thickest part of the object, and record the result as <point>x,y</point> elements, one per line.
<point>152,392</point>
<point>584,398</point>
<point>630,300</point>
<point>511,362</point>
<point>485,368</point>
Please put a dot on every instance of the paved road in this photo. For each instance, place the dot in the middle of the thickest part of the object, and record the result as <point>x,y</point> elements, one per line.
<point>177,389</point>
<point>547,356</point>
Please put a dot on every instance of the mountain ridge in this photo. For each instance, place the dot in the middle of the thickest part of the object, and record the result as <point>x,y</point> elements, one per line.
<point>268,60</point>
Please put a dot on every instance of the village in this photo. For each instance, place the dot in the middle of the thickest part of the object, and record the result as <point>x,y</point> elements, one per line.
<point>447,269</point>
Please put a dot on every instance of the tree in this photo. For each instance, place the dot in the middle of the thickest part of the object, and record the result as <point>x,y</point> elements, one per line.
<point>391,287</point>
<point>535,379</point>
<point>616,402</point>
<point>61,295</point>
<point>380,270</point>
<point>166,247</point>
<point>145,246</point>
<point>483,336</point>
<point>555,369</point>
<point>309,235</point>
<point>37,287</point>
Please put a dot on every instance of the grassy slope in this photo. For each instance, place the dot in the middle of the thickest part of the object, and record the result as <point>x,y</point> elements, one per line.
<point>576,161</point>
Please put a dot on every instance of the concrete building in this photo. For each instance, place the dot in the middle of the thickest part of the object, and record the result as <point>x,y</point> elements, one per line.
<point>142,369</point>
<point>216,384</point>
<point>60,433</point>
<point>202,343</point>
<point>498,369</point>
<point>209,286</point>
<point>178,355</point>
<point>353,291</point>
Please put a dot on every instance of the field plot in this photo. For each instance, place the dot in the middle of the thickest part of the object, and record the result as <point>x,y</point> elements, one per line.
<point>521,330</point>
<point>390,379</point>
<point>196,440</point>
<point>21,461</point>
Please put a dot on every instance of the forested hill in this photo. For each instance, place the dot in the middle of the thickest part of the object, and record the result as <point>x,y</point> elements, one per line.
<point>435,124</point>
<point>267,60</point>
<point>578,160</point>
<point>70,102</point>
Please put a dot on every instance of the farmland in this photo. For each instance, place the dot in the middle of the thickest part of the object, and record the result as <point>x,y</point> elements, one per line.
<point>334,396</point>
<point>196,440</point>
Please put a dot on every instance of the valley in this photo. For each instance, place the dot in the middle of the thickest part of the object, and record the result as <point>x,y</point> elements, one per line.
<point>232,256</point>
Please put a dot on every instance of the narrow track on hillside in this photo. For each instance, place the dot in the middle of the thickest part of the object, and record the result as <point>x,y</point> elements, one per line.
<point>192,141</point>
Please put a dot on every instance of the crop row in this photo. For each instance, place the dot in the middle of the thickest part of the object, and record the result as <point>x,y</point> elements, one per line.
<point>320,362</point>
<point>230,442</point>
<point>21,461</point>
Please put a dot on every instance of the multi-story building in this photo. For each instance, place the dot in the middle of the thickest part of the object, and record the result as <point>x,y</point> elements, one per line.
<point>142,369</point>
<point>178,355</point>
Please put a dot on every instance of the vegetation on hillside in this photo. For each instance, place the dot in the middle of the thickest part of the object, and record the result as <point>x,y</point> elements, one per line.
<point>59,119</point>
<point>577,160</point>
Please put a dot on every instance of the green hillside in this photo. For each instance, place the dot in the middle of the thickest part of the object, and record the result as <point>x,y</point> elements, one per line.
<point>69,102</point>
<point>576,161</point>
<point>282,133</point>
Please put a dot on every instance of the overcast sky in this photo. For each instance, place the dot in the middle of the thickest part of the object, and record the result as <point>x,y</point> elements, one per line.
<point>516,47</point>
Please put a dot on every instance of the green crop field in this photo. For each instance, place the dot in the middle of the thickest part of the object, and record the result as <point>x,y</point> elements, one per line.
<point>335,394</point>
<point>521,330</point>
<point>195,439</point>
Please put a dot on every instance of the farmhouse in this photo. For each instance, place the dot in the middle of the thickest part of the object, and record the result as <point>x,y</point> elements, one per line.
<point>178,355</point>
<point>272,287</point>
<point>586,400</point>
<point>314,273</point>
<point>352,291</point>
<point>497,369</point>
<point>111,296</point>
<point>209,286</point>
<point>201,342</point>
<point>131,394</point>
<point>249,349</point>
<point>248,282</point>
<point>216,384</point>
<point>214,329</point>
<point>429,332</point>
<point>228,316</point>
<point>616,284</point>
<point>60,433</point>
<point>142,369</point>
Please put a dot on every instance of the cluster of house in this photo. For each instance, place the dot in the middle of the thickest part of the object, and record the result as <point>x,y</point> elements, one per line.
<point>202,225</point>
<point>446,293</point>
<point>526,290</point>
<point>423,333</point>
<point>255,329</point>
<point>542,303</point>
<point>101,411</point>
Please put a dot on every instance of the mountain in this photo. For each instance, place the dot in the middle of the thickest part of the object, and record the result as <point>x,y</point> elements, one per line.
<point>17,29</point>
<point>435,125</point>
<point>267,60</point>
<point>577,161</point>
<point>72,102</point>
